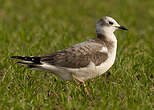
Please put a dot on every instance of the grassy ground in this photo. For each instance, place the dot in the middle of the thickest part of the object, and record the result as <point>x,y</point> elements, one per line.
<point>36,27</point>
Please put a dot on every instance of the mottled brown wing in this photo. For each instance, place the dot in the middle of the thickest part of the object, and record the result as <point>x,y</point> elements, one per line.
<point>77,56</point>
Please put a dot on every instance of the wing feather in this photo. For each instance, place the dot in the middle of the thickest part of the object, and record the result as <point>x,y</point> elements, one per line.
<point>77,56</point>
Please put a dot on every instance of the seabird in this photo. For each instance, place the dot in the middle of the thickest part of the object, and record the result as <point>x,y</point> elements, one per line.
<point>82,61</point>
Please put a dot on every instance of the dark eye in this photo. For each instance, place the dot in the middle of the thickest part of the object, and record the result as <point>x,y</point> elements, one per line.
<point>110,22</point>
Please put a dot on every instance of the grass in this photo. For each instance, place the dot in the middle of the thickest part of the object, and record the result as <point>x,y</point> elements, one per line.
<point>36,27</point>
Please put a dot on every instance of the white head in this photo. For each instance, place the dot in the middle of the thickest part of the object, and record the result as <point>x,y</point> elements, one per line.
<point>107,25</point>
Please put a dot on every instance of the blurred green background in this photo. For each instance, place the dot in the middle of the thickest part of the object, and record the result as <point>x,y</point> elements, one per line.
<point>36,27</point>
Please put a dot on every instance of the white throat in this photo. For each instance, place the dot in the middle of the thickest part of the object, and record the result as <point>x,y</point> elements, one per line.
<point>110,36</point>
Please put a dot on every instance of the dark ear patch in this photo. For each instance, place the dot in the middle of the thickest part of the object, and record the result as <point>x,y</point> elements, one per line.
<point>101,19</point>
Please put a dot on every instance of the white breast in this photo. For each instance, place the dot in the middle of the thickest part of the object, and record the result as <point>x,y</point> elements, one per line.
<point>108,63</point>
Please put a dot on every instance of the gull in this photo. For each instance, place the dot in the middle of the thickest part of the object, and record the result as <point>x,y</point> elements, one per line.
<point>81,61</point>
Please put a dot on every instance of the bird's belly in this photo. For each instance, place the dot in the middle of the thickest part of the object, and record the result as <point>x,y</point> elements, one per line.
<point>91,70</point>
<point>105,66</point>
<point>85,73</point>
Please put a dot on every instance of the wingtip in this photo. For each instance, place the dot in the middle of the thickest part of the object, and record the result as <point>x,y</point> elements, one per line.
<point>17,57</point>
<point>13,57</point>
<point>18,62</point>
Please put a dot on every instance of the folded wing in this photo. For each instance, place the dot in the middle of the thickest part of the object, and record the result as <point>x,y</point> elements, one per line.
<point>77,56</point>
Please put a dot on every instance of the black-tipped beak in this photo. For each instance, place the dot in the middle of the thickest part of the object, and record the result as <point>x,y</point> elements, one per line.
<point>123,28</point>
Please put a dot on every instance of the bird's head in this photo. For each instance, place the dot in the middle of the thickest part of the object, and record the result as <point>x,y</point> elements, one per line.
<point>107,25</point>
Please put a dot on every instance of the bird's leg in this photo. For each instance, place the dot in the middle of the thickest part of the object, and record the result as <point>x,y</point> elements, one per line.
<point>84,85</point>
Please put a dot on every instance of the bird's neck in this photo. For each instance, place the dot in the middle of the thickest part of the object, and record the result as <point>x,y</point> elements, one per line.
<point>107,37</point>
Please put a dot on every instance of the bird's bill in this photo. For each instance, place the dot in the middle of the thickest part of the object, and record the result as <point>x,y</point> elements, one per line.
<point>122,27</point>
